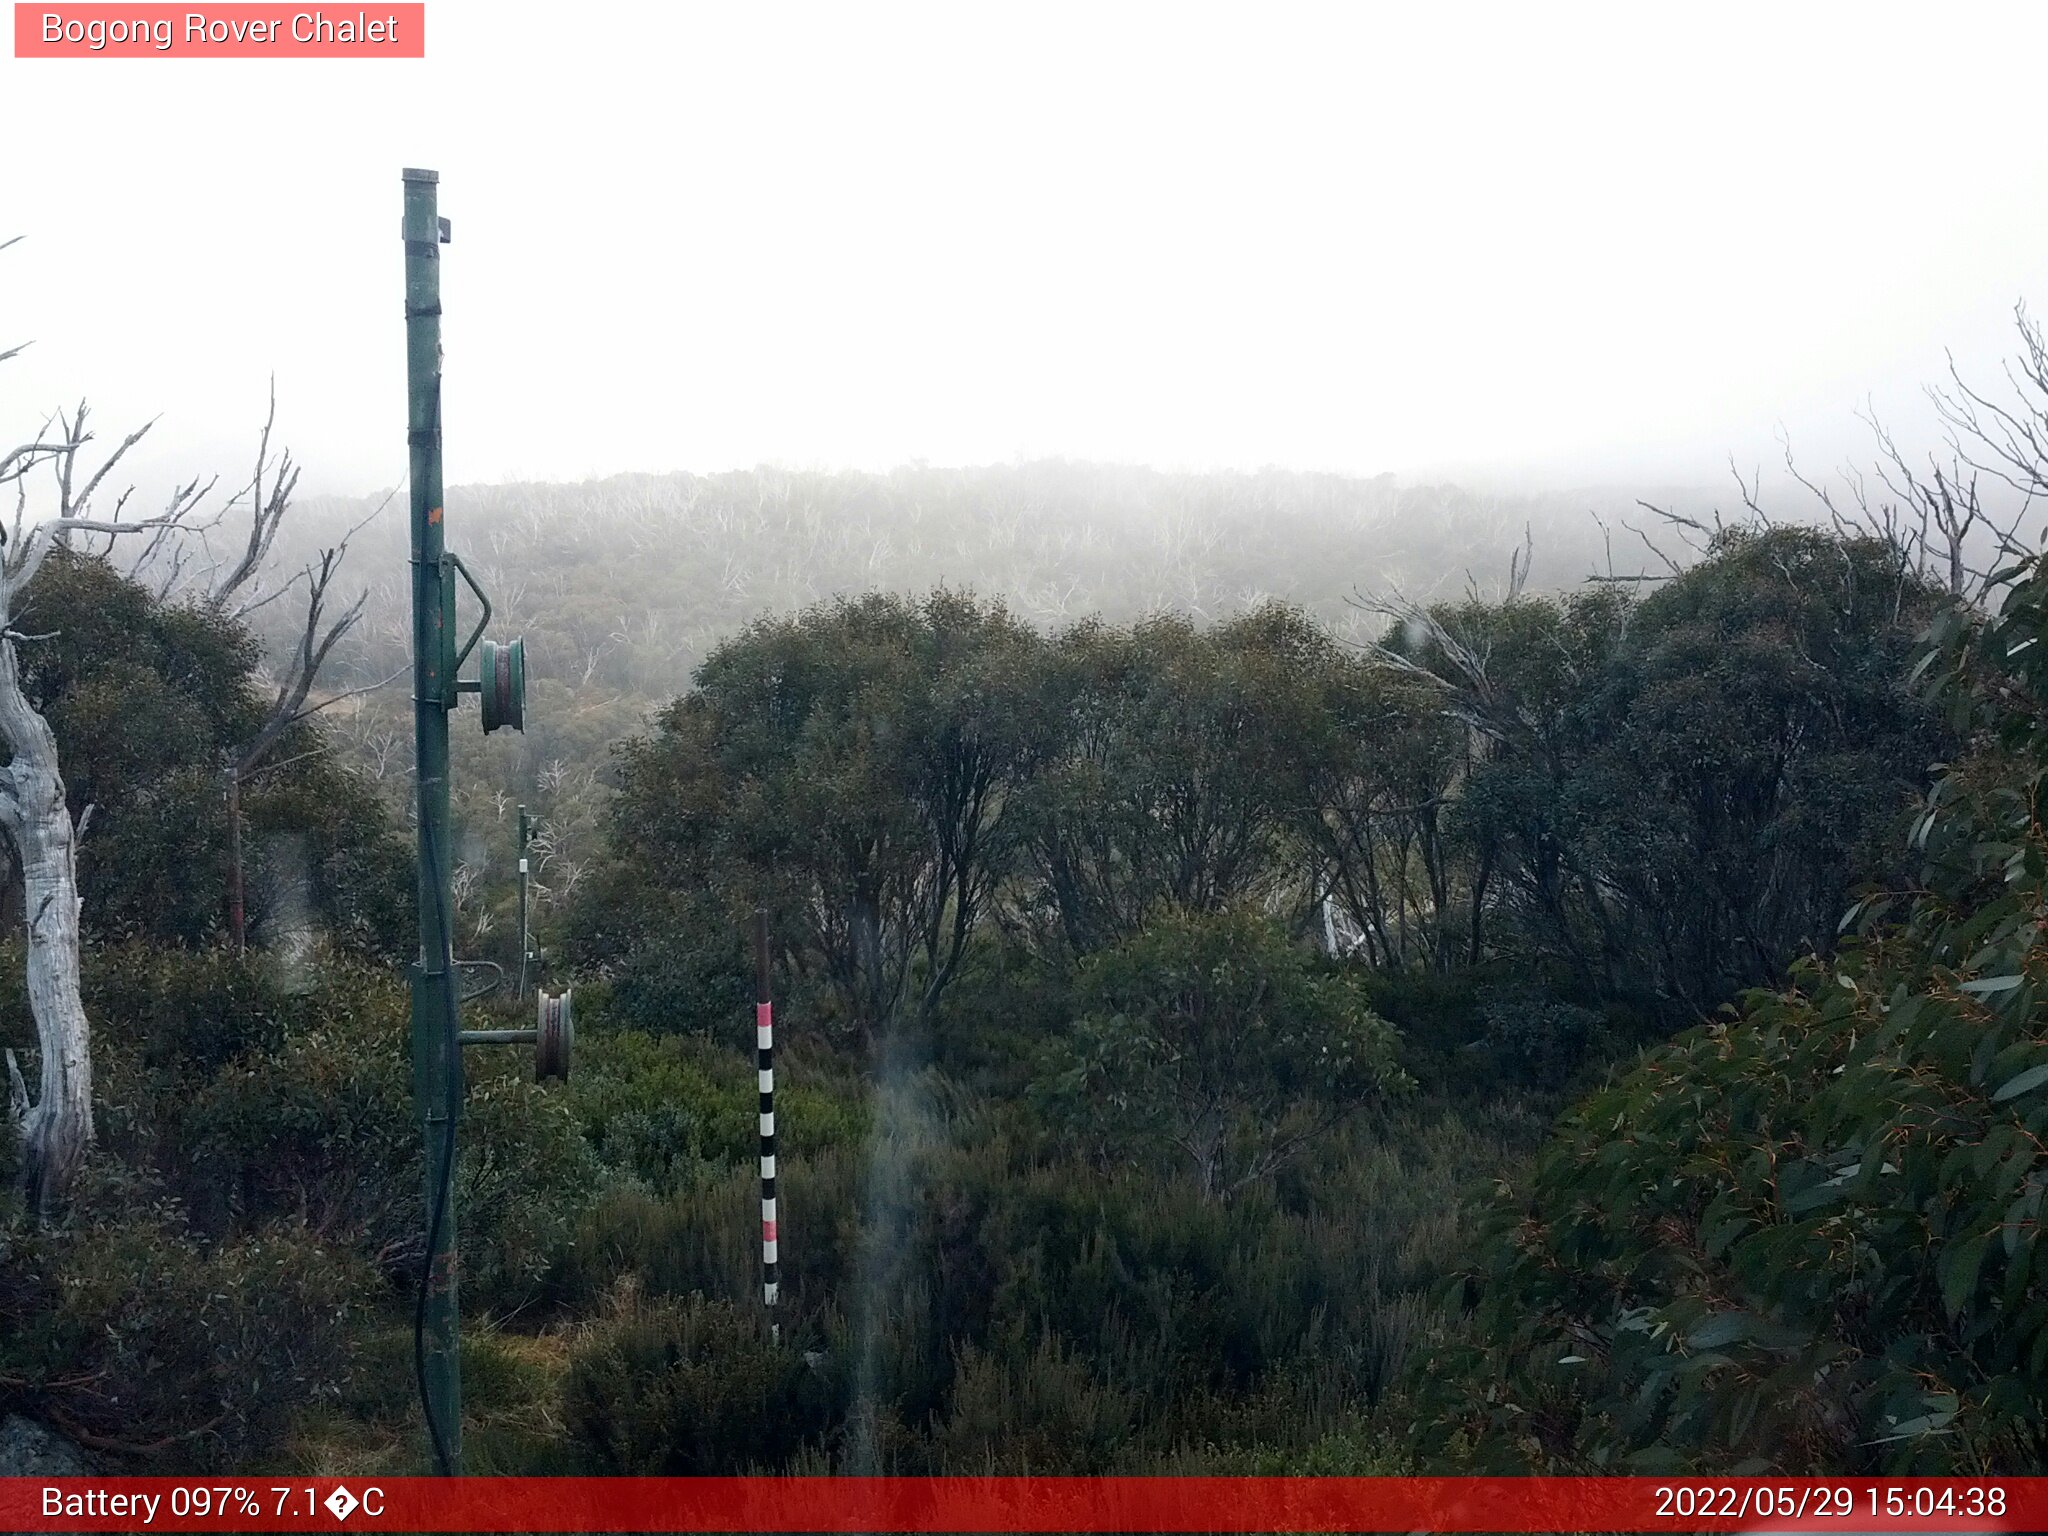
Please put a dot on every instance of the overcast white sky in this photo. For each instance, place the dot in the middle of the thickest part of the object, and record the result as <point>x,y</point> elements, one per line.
<point>1558,241</point>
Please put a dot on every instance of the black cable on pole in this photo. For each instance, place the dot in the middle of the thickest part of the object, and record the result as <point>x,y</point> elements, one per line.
<point>443,1188</point>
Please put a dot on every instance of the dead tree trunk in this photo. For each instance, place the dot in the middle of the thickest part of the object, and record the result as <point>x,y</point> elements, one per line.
<point>56,1125</point>
<point>56,1128</point>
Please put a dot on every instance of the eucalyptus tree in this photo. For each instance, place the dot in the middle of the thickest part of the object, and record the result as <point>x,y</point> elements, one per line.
<point>1674,794</point>
<point>146,698</point>
<point>1176,771</point>
<point>56,1124</point>
<point>237,585</point>
<point>61,490</point>
<point>854,768</point>
<point>1380,778</point>
<point>1807,1236</point>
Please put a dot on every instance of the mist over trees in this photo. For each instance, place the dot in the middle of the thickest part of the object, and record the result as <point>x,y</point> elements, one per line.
<point>623,586</point>
<point>1269,979</point>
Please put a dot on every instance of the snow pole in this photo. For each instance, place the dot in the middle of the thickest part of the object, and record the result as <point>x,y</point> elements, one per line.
<point>764,1052</point>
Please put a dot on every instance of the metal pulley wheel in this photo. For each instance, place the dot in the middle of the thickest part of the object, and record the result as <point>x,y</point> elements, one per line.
<point>553,1039</point>
<point>501,683</point>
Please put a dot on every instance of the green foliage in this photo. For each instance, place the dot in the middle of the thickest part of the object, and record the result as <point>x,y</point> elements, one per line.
<point>147,700</point>
<point>664,1110</point>
<point>1173,766</point>
<point>131,1331</point>
<point>694,1240</point>
<point>1209,1038</point>
<point>675,1388</point>
<point>185,1011</point>
<point>320,1124</point>
<point>1667,799</point>
<point>691,975</point>
<point>1806,1238</point>
<point>1680,793</point>
<point>1042,1414</point>
<point>848,768</point>
<point>324,1125</point>
<point>257,1201</point>
<point>1373,784</point>
<point>256,1092</point>
<point>1539,1040</point>
<point>995,1018</point>
<point>1008,1305</point>
<point>327,862</point>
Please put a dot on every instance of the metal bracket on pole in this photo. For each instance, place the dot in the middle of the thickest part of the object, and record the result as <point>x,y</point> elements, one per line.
<point>484,618</point>
<point>552,1038</point>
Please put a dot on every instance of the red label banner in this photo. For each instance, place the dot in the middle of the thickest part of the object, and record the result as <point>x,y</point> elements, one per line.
<point>1047,1504</point>
<point>225,31</point>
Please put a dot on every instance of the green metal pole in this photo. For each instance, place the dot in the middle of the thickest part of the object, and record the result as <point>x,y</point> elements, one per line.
<point>437,1057</point>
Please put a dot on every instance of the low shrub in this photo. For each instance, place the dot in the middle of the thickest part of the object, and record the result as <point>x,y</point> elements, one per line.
<point>677,1387</point>
<point>690,978</point>
<point>1042,1414</point>
<point>1539,1040</point>
<point>994,1019</point>
<point>139,1338</point>
<point>184,1012</point>
<point>671,1111</point>
<point>323,1128</point>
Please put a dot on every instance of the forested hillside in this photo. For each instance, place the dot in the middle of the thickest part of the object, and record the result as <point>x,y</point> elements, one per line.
<point>1252,999</point>
<point>623,586</point>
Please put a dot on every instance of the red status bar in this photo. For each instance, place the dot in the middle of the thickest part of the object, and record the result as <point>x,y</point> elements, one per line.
<point>1049,1504</point>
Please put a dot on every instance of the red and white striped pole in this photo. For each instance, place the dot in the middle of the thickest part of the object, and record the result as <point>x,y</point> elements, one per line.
<point>764,1050</point>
